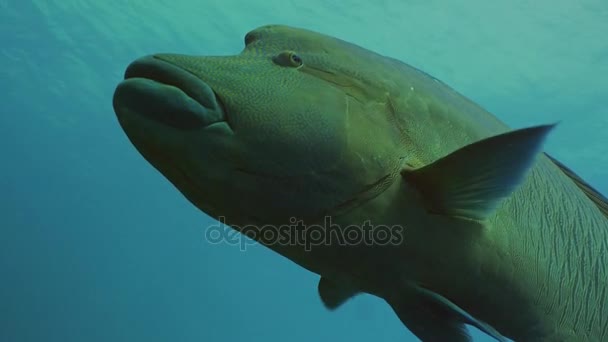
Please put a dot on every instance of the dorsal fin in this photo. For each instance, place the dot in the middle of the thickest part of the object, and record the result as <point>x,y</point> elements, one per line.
<point>600,200</point>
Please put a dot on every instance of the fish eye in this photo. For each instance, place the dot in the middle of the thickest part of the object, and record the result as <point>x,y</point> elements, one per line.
<point>295,59</point>
<point>289,59</point>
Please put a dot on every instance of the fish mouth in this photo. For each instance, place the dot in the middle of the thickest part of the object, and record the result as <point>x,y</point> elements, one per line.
<point>161,91</point>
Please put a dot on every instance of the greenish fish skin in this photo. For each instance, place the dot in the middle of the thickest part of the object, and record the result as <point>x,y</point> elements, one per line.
<point>300,125</point>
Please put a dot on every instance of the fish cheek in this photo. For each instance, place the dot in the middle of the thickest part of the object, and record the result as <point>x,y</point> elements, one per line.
<point>303,139</point>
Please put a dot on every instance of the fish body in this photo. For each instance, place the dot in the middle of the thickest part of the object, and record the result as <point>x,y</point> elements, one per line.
<point>398,185</point>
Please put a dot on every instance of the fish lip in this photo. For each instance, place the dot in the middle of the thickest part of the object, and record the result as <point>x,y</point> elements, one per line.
<point>156,69</point>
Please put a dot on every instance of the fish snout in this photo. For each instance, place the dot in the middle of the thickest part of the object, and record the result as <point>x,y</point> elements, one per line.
<point>158,90</point>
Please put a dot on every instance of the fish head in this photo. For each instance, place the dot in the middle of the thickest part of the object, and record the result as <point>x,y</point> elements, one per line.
<point>298,125</point>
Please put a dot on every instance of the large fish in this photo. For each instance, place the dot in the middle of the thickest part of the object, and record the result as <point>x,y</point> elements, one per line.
<point>432,203</point>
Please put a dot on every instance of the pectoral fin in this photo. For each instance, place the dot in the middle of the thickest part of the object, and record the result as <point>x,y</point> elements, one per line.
<point>431,317</point>
<point>472,181</point>
<point>333,294</point>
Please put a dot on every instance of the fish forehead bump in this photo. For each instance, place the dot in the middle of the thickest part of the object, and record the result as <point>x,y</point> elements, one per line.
<point>279,32</point>
<point>284,37</point>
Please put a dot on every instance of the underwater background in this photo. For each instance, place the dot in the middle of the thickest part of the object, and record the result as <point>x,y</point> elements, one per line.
<point>96,245</point>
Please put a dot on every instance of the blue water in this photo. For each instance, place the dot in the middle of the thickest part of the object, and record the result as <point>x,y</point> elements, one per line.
<point>96,245</point>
